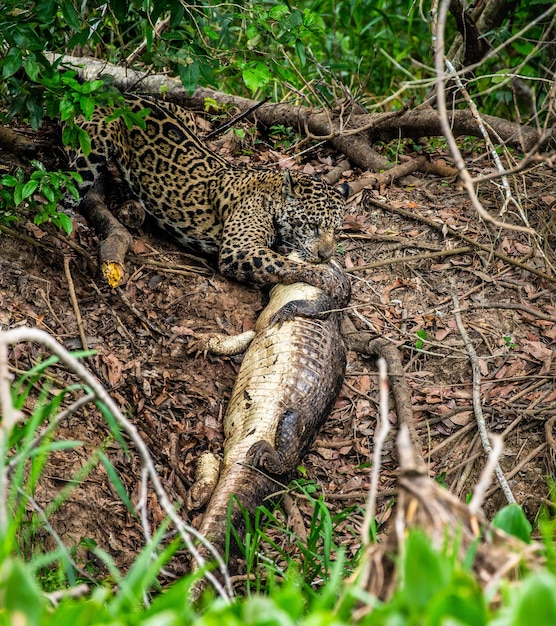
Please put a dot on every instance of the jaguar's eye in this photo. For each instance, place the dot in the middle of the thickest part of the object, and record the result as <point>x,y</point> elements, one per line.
<point>315,228</point>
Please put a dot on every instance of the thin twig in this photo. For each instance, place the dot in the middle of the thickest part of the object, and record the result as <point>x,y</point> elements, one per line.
<point>74,303</point>
<point>522,464</point>
<point>18,335</point>
<point>410,258</point>
<point>517,306</point>
<point>62,594</point>
<point>159,28</point>
<point>485,480</point>
<point>488,142</point>
<point>379,440</point>
<point>235,120</point>
<point>53,533</point>
<point>447,131</point>
<point>444,229</point>
<point>477,408</point>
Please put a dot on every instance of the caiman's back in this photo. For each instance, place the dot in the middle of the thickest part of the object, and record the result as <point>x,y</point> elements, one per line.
<point>288,383</point>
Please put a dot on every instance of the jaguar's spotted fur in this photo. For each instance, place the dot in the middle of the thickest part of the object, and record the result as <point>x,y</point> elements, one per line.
<point>250,217</point>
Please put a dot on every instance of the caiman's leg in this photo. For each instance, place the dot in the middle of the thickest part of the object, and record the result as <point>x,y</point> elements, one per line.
<point>285,455</point>
<point>206,477</point>
<point>217,343</point>
<point>319,308</point>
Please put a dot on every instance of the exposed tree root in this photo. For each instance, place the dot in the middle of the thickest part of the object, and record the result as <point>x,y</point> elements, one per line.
<point>14,142</point>
<point>115,240</point>
<point>352,133</point>
<point>420,164</point>
<point>370,345</point>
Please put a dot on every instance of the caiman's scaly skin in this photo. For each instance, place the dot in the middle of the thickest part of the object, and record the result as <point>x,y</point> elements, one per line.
<point>287,385</point>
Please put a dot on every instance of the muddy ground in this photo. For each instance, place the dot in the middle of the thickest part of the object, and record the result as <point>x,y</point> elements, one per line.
<point>140,334</point>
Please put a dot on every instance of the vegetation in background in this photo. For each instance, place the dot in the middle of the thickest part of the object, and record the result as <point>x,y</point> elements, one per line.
<point>314,49</point>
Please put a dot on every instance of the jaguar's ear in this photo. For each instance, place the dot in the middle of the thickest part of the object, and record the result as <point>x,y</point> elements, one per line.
<point>288,188</point>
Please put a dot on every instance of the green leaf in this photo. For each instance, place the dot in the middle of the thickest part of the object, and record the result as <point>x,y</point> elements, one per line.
<point>211,33</point>
<point>67,108</point>
<point>31,66</point>
<point>63,221</point>
<point>48,193</point>
<point>8,181</point>
<point>45,10</point>
<point>500,77</point>
<point>189,75</point>
<point>20,597</point>
<point>69,79</point>
<point>84,141</point>
<point>421,334</point>
<point>149,35</point>
<point>278,11</point>
<point>71,15</point>
<point>55,445</point>
<point>91,86</point>
<point>29,188</point>
<point>255,75</point>
<point>120,9</point>
<point>512,520</point>
<point>421,557</point>
<point>294,20</point>
<point>300,50</point>
<point>87,105</point>
<point>537,601</point>
<point>17,194</point>
<point>12,62</point>
<point>112,424</point>
<point>36,112</point>
<point>460,602</point>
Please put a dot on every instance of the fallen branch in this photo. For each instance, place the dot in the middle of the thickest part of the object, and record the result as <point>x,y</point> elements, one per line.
<point>418,122</point>
<point>386,178</point>
<point>114,238</point>
<point>410,259</point>
<point>477,404</point>
<point>513,306</point>
<point>14,142</point>
<point>75,304</point>
<point>444,229</point>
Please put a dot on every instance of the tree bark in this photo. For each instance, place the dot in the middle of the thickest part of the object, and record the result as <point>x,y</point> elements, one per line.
<point>114,238</point>
<point>422,121</point>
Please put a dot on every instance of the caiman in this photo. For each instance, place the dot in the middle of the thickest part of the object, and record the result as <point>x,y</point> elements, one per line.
<point>288,383</point>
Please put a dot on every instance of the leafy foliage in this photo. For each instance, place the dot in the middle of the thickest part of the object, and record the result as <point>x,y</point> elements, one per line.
<point>316,47</point>
<point>434,588</point>
<point>18,189</point>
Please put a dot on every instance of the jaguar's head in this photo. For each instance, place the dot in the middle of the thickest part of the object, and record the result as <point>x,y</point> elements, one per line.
<point>311,217</point>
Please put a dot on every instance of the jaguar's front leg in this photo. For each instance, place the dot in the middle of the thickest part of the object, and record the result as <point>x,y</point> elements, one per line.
<point>246,255</point>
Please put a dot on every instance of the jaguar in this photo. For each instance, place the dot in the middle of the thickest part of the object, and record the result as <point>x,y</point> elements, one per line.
<point>250,217</point>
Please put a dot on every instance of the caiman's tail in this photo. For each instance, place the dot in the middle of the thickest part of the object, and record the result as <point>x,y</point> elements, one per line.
<point>238,493</point>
